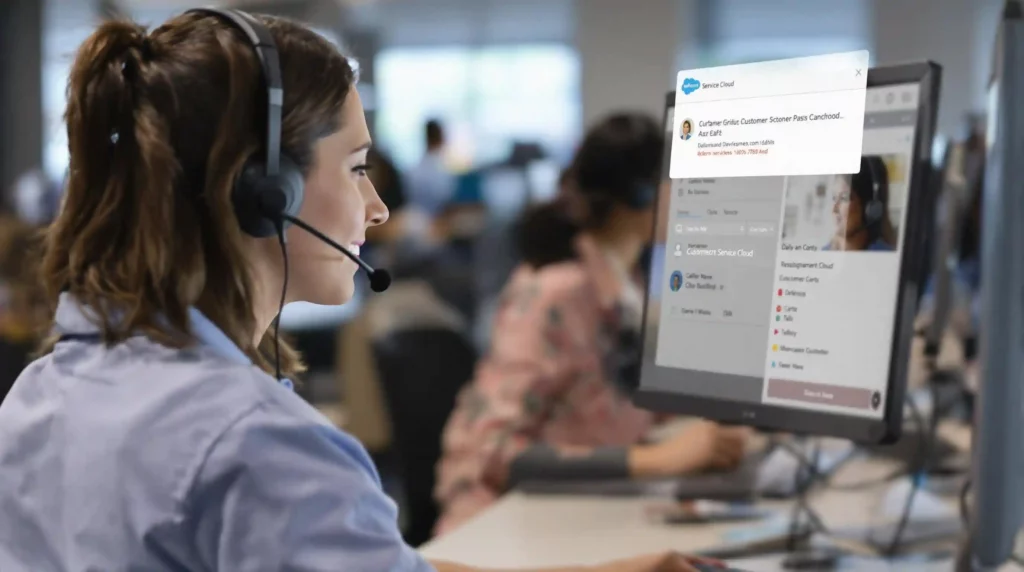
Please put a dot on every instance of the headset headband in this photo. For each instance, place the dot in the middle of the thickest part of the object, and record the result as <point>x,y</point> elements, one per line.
<point>875,181</point>
<point>266,52</point>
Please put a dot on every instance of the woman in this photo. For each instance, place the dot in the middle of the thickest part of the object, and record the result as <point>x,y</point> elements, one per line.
<point>546,403</point>
<point>169,446</point>
<point>686,128</point>
<point>861,209</point>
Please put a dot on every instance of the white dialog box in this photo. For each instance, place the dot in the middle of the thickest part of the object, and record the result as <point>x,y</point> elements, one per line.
<point>801,116</point>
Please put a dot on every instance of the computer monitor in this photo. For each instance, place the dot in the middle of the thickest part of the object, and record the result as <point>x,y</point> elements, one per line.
<point>998,457</point>
<point>805,336</point>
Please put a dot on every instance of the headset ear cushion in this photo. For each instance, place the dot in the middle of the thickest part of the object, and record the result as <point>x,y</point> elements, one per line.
<point>260,200</point>
<point>643,195</point>
<point>873,212</point>
<point>293,185</point>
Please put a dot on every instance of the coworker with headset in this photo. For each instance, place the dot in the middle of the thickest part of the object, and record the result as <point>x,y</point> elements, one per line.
<point>151,436</point>
<point>861,209</point>
<point>545,403</point>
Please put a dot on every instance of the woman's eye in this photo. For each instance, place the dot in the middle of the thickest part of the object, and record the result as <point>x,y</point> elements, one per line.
<point>361,170</point>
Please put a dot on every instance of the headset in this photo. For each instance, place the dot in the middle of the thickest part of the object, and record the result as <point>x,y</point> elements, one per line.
<point>874,210</point>
<point>268,194</point>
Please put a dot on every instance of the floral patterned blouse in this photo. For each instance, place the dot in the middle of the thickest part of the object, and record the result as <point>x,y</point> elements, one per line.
<point>562,336</point>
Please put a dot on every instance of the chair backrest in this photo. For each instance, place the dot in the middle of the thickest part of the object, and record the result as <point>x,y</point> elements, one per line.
<point>421,373</point>
<point>14,357</point>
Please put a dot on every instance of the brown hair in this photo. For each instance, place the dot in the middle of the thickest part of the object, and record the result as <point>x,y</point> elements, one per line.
<point>620,155</point>
<point>159,127</point>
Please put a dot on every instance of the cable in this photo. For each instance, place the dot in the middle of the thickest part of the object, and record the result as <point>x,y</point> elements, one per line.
<point>805,477</point>
<point>965,515</point>
<point>284,291</point>
<point>917,475</point>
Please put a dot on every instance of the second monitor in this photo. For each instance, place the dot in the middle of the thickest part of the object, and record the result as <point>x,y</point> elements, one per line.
<point>787,303</point>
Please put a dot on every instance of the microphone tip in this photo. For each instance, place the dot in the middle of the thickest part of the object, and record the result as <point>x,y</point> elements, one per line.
<point>380,279</point>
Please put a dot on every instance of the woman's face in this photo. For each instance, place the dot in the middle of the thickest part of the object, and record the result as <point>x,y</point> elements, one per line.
<point>846,209</point>
<point>341,202</point>
<point>686,128</point>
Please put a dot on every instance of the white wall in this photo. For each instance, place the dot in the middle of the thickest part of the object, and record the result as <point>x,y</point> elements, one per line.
<point>466,22</point>
<point>627,54</point>
<point>958,34</point>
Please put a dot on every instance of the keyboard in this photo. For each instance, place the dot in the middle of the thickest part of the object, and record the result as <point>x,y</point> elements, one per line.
<point>710,568</point>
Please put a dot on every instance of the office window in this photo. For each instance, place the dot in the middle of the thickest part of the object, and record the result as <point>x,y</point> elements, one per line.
<point>487,97</point>
<point>66,24</point>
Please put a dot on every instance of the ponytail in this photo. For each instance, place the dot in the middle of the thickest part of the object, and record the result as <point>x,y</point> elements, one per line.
<point>122,232</point>
<point>618,161</point>
<point>116,241</point>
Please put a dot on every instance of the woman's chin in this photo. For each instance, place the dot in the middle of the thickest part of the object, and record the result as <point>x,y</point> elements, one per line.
<point>334,294</point>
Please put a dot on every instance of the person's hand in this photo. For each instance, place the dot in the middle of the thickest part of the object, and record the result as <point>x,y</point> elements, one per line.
<point>668,562</point>
<point>699,447</point>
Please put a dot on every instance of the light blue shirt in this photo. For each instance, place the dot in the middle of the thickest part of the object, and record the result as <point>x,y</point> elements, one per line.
<point>430,185</point>
<point>144,457</point>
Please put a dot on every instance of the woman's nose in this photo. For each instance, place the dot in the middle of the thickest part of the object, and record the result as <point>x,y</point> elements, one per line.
<point>376,211</point>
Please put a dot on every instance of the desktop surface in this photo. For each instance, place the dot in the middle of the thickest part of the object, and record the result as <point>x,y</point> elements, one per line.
<point>756,314</point>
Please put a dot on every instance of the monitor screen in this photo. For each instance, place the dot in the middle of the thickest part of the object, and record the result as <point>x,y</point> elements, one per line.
<point>800,313</point>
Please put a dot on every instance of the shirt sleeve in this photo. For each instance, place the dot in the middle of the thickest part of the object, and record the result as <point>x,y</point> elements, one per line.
<point>280,492</point>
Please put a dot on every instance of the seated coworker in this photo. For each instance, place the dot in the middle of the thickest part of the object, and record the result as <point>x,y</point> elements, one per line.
<point>418,258</point>
<point>546,402</point>
<point>861,209</point>
<point>152,436</point>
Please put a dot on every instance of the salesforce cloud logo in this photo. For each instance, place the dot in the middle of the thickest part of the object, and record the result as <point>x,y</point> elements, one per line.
<point>690,85</point>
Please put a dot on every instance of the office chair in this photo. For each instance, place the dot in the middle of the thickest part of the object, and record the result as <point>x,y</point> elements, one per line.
<point>421,372</point>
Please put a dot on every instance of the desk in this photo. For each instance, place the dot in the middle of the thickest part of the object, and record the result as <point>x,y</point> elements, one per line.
<point>529,531</point>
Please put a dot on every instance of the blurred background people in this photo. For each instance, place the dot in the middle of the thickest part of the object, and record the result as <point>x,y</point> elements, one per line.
<point>408,353</point>
<point>23,309</point>
<point>546,401</point>
<point>430,183</point>
<point>861,209</point>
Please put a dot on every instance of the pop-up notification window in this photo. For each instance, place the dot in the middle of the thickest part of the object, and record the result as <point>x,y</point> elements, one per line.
<point>801,116</point>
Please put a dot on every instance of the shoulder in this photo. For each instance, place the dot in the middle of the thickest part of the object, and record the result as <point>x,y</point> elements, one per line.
<point>541,306</point>
<point>564,282</point>
<point>182,399</point>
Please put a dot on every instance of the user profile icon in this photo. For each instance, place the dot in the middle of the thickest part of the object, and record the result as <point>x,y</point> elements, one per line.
<point>686,130</point>
<point>675,282</point>
<point>679,250</point>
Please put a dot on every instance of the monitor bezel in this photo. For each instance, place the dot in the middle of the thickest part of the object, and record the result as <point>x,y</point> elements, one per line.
<point>776,418</point>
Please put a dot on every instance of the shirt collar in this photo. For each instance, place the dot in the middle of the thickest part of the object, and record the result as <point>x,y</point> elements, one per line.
<point>73,318</point>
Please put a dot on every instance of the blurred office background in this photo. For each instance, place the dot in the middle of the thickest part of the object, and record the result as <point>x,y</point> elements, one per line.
<point>512,83</point>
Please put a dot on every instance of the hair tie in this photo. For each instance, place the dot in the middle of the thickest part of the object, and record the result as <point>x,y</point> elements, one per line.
<point>140,50</point>
<point>146,48</point>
